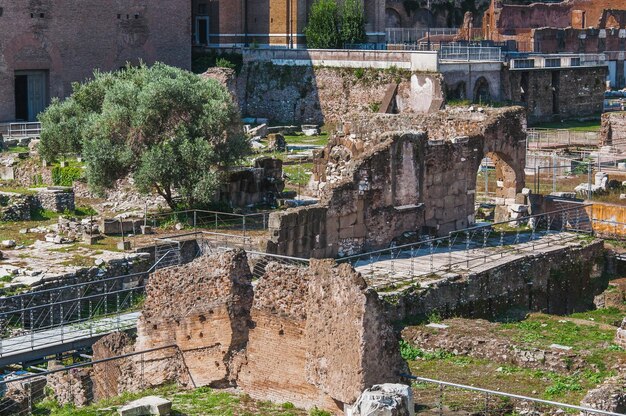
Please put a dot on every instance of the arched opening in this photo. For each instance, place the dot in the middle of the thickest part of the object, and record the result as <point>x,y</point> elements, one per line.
<point>457,92</point>
<point>482,92</point>
<point>392,18</point>
<point>497,184</point>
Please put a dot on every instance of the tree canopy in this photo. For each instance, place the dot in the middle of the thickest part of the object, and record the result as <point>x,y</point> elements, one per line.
<point>330,26</point>
<point>322,31</point>
<point>173,131</point>
<point>353,22</point>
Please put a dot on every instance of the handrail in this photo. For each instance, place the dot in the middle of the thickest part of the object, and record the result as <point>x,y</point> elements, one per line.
<point>433,240</point>
<point>80,365</point>
<point>510,395</point>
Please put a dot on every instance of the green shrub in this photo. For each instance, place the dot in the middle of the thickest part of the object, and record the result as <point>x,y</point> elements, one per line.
<point>224,63</point>
<point>65,176</point>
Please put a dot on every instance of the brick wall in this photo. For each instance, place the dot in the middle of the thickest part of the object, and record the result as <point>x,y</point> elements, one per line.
<point>578,92</point>
<point>613,130</point>
<point>313,336</point>
<point>501,20</point>
<point>74,37</point>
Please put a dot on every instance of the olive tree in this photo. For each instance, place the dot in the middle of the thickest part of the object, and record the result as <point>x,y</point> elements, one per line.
<point>173,131</point>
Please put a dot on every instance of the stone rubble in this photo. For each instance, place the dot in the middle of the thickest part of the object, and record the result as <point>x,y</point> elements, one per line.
<point>384,400</point>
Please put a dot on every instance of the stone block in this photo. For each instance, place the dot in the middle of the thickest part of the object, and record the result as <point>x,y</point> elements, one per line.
<point>384,400</point>
<point>146,406</point>
<point>146,229</point>
<point>123,245</point>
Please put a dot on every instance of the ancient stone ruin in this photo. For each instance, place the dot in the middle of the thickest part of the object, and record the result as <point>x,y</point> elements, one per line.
<point>389,175</point>
<point>314,336</point>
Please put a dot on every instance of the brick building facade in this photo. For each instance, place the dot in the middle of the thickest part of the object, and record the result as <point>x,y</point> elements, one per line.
<point>573,26</point>
<point>277,23</point>
<point>46,45</point>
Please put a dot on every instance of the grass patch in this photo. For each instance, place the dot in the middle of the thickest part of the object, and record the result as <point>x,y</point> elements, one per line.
<point>300,138</point>
<point>201,401</point>
<point>299,174</point>
<point>18,149</point>
<point>573,125</point>
<point>489,375</point>
<point>541,331</point>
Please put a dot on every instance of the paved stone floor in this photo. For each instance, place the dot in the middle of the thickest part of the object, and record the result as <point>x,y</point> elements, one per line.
<point>426,265</point>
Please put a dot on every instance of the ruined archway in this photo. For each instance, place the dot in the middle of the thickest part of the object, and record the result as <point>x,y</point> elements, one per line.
<point>482,91</point>
<point>392,18</point>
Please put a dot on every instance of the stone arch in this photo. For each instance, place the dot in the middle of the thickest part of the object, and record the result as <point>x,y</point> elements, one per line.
<point>392,18</point>
<point>482,90</point>
<point>507,182</point>
<point>457,92</point>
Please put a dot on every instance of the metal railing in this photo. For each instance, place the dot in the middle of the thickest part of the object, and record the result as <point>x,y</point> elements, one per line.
<point>40,318</point>
<point>470,53</point>
<point>85,383</point>
<point>493,402</point>
<point>35,320</point>
<point>210,220</point>
<point>470,249</point>
<point>20,130</point>
<point>550,138</point>
<point>412,35</point>
<point>557,61</point>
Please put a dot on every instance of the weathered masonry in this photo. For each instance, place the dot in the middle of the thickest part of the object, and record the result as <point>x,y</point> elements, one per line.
<point>388,175</point>
<point>46,45</point>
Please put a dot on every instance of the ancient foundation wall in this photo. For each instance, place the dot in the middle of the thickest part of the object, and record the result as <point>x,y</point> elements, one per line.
<point>302,94</point>
<point>613,130</point>
<point>559,282</point>
<point>557,93</point>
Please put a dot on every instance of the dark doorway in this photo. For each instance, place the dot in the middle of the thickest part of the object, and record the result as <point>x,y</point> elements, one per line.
<point>31,94</point>
<point>21,97</point>
<point>556,84</point>
<point>204,32</point>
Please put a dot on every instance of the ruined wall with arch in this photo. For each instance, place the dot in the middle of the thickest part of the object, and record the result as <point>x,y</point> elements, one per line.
<point>390,178</point>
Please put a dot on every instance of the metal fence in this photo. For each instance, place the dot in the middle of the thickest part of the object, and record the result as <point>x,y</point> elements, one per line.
<point>412,35</point>
<point>555,138</point>
<point>442,396</point>
<point>470,249</point>
<point>75,385</point>
<point>34,321</point>
<point>20,130</point>
<point>470,53</point>
<point>210,220</point>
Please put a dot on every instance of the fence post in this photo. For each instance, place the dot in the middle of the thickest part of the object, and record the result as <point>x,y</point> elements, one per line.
<point>589,180</point>
<point>195,218</point>
<point>553,171</point>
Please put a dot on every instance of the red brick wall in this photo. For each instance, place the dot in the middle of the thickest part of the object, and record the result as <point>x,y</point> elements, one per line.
<point>74,37</point>
<point>501,21</point>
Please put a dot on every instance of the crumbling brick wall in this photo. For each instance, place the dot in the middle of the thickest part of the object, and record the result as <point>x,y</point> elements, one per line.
<point>556,282</point>
<point>613,130</point>
<point>107,375</point>
<point>314,336</point>
<point>209,323</point>
<point>301,94</point>
<point>557,93</point>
